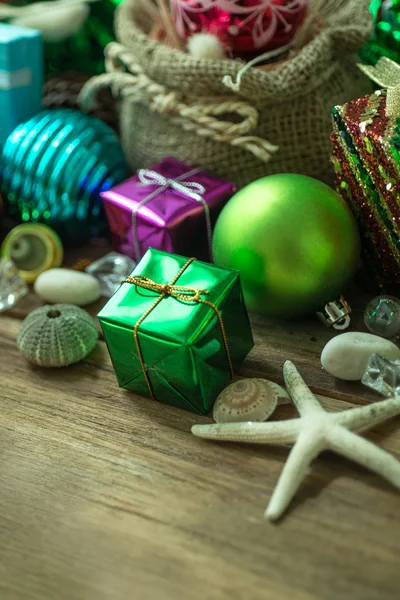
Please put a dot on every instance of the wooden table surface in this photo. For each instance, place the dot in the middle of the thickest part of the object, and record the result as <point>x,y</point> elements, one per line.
<point>108,496</point>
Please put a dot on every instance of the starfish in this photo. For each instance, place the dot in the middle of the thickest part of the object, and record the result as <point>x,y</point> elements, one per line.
<point>315,431</point>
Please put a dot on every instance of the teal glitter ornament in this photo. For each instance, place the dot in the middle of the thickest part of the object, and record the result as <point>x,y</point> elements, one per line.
<point>53,169</point>
<point>57,335</point>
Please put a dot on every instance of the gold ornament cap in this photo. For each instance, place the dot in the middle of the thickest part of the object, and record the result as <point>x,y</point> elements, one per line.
<point>33,248</point>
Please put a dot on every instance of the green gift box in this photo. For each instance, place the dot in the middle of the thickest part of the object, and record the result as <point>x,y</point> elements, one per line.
<point>177,330</point>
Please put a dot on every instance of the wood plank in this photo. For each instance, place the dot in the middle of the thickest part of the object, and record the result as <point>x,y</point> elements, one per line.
<point>106,495</point>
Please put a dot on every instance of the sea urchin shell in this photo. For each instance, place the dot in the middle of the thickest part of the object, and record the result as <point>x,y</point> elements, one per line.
<point>247,400</point>
<point>57,335</point>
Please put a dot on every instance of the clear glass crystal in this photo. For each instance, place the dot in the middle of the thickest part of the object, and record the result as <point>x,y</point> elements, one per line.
<point>383,376</point>
<point>12,286</point>
<point>110,270</point>
<point>382,316</point>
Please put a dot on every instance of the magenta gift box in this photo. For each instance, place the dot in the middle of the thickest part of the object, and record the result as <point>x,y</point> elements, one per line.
<point>170,206</point>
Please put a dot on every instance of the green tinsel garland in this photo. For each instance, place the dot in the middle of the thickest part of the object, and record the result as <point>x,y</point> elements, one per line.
<point>84,51</point>
<point>386,38</point>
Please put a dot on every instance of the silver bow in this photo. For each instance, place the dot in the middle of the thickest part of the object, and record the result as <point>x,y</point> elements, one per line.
<point>191,189</point>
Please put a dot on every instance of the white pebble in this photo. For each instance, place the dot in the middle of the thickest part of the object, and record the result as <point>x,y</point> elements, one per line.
<point>66,286</point>
<point>346,356</point>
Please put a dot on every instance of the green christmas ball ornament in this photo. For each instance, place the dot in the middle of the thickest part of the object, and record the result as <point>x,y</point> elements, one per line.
<point>294,241</point>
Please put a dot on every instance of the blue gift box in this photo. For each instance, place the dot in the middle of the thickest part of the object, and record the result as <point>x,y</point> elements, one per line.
<point>21,76</point>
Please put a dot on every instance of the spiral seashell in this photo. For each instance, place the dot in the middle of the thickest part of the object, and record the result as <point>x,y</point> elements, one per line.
<point>57,335</point>
<point>248,400</point>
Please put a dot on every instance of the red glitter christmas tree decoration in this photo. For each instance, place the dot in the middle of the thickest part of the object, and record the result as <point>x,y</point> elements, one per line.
<point>245,27</point>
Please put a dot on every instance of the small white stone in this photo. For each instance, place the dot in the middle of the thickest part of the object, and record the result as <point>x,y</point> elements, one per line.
<point>346,356</point>
<point>66,286</point>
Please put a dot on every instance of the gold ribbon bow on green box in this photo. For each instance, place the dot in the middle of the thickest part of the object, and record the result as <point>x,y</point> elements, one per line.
<point>175,330</point>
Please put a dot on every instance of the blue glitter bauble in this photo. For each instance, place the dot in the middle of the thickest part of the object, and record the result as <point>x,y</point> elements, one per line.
<point>53,169</point>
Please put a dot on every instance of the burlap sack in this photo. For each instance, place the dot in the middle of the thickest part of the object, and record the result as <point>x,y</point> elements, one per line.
<point>175,105</point>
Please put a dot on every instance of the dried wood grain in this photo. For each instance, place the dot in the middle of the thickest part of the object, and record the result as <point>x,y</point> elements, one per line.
<point>107,496</point>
